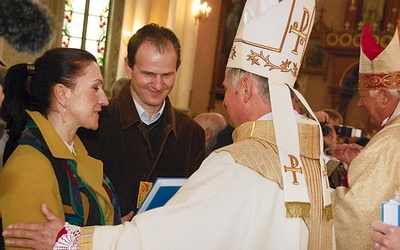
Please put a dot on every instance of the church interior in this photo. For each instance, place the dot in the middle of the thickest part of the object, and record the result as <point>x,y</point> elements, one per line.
<point>328,75</point>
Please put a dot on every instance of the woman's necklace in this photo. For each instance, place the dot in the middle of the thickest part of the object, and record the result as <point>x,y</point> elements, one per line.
<point>70,147</point>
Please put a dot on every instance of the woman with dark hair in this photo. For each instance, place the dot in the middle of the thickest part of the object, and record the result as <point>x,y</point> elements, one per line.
<point>45,104</point>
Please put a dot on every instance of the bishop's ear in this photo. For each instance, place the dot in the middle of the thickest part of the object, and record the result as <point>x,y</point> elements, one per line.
<point>247,87</point>
<point>385,96</point>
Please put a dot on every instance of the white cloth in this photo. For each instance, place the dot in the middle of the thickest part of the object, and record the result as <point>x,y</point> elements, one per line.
<point>145,116</point>
<point>223,205</point>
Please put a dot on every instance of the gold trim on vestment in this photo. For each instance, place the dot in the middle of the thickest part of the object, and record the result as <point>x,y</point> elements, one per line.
<point>329,212</point>
<point>86,238</point>
<point>297,209</point>
<point>308,135</point>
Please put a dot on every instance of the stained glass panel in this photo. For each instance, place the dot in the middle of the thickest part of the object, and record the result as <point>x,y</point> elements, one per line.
<point>99,7</point>
<point>94,33</point>
<point>75,26</point>
<point>75,42</point>
<point>77,6</point>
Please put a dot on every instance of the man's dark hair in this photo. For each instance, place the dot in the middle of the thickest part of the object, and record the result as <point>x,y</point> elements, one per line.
<point>157,35</point>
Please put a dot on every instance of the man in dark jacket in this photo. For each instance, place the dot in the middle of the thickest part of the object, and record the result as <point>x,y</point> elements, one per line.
<point>141,136</point>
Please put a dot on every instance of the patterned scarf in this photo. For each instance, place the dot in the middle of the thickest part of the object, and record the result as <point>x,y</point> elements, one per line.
<point>72,187</point>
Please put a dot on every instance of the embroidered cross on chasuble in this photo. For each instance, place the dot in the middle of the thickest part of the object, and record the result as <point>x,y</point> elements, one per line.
<point>255,147</point>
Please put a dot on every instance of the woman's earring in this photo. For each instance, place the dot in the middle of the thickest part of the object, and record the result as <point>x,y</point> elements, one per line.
<point>65,111</point>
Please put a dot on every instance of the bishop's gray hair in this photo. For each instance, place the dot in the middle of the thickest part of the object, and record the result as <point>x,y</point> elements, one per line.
<point>393,92</point>
<point>235,75</point>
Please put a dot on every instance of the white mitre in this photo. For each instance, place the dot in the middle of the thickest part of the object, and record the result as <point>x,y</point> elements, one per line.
<point>271,40</point>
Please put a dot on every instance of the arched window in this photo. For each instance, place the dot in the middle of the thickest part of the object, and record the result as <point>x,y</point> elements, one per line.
<point>85,26</point>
